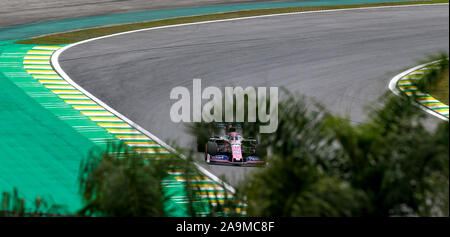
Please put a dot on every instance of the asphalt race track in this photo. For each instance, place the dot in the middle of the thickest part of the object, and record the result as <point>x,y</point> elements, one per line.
<point>342,59</point>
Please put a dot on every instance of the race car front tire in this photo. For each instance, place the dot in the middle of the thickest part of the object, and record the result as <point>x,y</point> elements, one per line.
<point>211,148</point>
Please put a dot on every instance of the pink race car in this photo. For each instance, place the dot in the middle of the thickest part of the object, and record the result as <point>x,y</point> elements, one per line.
<point>232,148</point>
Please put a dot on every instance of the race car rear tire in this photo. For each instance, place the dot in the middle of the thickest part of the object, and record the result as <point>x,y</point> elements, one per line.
<point>211,148</point>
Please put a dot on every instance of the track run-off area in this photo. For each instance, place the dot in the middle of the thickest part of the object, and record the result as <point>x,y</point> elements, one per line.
<point>342,59</point>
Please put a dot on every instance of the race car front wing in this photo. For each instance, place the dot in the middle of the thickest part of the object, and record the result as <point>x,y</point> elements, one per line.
<point>224,159</point>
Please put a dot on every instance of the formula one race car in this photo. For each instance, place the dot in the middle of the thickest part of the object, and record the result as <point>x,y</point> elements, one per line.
<point>232,148</point>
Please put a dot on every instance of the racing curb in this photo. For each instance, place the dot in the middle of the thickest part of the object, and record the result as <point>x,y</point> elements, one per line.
<point>403,83</point>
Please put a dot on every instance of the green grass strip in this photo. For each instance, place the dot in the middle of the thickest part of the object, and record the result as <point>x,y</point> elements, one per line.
<point>39,152</point>
<point>441,90</point>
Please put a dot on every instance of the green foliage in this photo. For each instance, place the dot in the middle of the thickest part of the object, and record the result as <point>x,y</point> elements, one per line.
<point>299,180</point>
<point>291,186</point>
<point>393,158</point>
<point>118,182</point>
<point>323,165</point>
<point>14,205</point>
<point>121,182</point>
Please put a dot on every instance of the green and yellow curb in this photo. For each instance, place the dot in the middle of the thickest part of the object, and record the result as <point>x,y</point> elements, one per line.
<point>405,83</point>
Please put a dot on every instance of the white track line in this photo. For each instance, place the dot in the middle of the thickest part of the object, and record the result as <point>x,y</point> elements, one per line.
<point>60,71</point>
